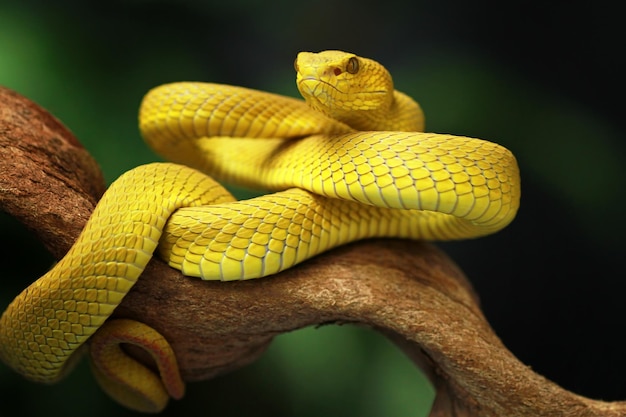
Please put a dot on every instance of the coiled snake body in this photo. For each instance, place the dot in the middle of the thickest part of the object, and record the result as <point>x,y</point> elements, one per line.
<point>350,162</point>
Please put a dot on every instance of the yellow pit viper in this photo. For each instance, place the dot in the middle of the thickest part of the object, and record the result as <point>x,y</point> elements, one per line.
<point>349,162</point>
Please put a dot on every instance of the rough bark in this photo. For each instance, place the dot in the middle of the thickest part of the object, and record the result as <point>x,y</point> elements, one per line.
<point>410,291</point>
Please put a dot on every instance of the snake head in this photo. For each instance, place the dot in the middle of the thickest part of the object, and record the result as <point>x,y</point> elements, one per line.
<point>339,83</point>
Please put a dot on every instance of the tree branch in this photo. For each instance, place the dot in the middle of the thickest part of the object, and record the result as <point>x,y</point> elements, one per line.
<point>410,291</point>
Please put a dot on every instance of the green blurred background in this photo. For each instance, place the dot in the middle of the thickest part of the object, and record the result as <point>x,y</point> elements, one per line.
<point>540,78</point>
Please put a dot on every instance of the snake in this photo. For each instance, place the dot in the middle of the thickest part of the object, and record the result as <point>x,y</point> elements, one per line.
<point>349,160</point>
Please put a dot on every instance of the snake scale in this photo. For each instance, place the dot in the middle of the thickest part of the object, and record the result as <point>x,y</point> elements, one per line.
<point>349,162</point>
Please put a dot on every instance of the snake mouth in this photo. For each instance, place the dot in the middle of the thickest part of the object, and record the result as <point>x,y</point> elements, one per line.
<point>311,86</point>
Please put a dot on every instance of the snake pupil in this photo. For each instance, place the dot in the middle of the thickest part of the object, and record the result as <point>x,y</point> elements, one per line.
<point>353,65</point>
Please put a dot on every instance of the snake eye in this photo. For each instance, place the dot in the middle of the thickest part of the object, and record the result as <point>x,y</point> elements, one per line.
<point>353,65</point>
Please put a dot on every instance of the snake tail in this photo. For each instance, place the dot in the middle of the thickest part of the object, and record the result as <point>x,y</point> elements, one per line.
<point>125,379</point>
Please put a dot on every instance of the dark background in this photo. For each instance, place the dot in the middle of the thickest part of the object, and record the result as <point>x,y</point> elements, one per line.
<point>541,78</point>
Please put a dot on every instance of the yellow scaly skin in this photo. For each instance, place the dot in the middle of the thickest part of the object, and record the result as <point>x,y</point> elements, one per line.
<point>335,182</point>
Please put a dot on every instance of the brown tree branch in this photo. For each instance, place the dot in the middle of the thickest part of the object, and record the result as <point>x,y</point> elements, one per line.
<point>48,180</point>
<point>409,291</point>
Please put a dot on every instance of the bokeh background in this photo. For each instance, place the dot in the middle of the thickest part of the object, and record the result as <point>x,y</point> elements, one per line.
<point>542,78</point>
